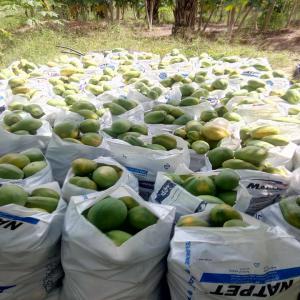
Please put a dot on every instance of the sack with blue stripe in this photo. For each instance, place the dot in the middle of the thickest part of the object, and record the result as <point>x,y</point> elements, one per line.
<point>243,259</point>
<point>30,266</point>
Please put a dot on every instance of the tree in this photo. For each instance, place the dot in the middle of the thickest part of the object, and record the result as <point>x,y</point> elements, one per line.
<point>185,16</point>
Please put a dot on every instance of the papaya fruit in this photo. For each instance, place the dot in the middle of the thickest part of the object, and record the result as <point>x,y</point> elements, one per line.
<point>232,117</point>
<point>214,132</point>
<point>89,125</point>
<point>219,84</point>
<point>16,159</point>
<point>119,237</point>
<point>45,192</point>
<point>182,120</point>
<point>155,117</point>
<point>276,140</point>
<point>191,221</point>
<point>264,131</point>
<point>16,81</point>
<point>129,202</point>
<point>34,154</point>
<point>110,132</point>
<point>165,140</point>
<point>12,194</point>
<point>252,154</point>
<point>200,147</point>
<point>11,119</point>
<point>219,155</point>
<point>189,101</point>
<point>83,182</point>
<point>140,217</point>
<point>156,147</point>
<point>238,164</point>
<point>88,114</point>
<point>8,171</point>
<point>67,129</point>
<point>34,167</point>
<point>105,177</point>
<point>169,119</point>
<point>222,213</point>
<point>181,132</point>
<point>176,112</point>
<point>200,185</point>
<point>200,92</point>
<point>193,126</point>
<point>82,104</point>
<point>115,108</point>
<point>187,90</point>
<point>290,210</point>
<point>259,143</point>
<point>292,96</point>
<point>235,223</point>
<point>70,140</point>
<point>132,140</point>
<point>35,110</point>
<point>129,133</point>
<point>208,115</point>
<point>227,180</point>
<point>91,139</point>
<point>83,166</point>
<point>140,128</point>
<point>256,83</point>
<point>22,132</point>
<point>211,199</point>
<point>46,203</point>
<point>163,107</point>
<point>121,126</point>
<point>126,104</point>
<point>57,102</point>
<point>26,124</point>
<point>228,197</point>
<point>107,214</point>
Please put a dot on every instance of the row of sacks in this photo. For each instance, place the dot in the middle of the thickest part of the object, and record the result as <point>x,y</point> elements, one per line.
<point>114,245</point>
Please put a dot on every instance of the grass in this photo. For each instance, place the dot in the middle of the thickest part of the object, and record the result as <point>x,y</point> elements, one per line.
<point>39,45</point>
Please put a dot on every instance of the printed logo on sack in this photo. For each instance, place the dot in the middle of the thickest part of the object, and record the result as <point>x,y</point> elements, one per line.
<point>137,171</point>
<point>163,75</point>
<point>253,285</point>
<point>167,166</point>
<point>270,82</point>
<point>12,222</point>
<point>271,185</point>
<point>4,288</point>
<point>165,191</point>
<point>251,74</point>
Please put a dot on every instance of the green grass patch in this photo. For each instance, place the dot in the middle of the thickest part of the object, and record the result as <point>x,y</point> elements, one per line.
<point>39,45</point>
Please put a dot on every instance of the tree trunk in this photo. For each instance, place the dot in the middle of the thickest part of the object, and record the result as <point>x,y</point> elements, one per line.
<point>269,16</point>
<point>111,11</point>
<point>123,12</point>
<point>291,13</point>
<point>149,6</point>
<point>209,18</point>
<point>118,13</point>
<point>185,16</point>
<point>249,9</point>
<point>155,4</point>
<point>231,21</point>
<point>200,20</point>
<point>221,12</point>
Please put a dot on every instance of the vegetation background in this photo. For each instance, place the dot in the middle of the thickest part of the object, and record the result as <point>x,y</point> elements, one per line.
<point>33,28</point>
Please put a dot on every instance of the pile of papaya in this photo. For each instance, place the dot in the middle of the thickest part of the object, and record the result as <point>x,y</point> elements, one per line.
<point>85,132</point>
<point>43,199</point>
<point>202,137</point>
<point>120,106</point>
<point>221,215</point>
<point>89,174</point>
<point>290,209</point>
<point>22,165</point>
<point>167,114</point>
<point>147,88</point>
<point>216,189</point>
<point>129,132</point>
<point>18,123</point>
<point>120,218</point>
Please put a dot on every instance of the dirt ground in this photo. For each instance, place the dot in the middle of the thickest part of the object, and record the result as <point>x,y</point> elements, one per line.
<point>285,39</point>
